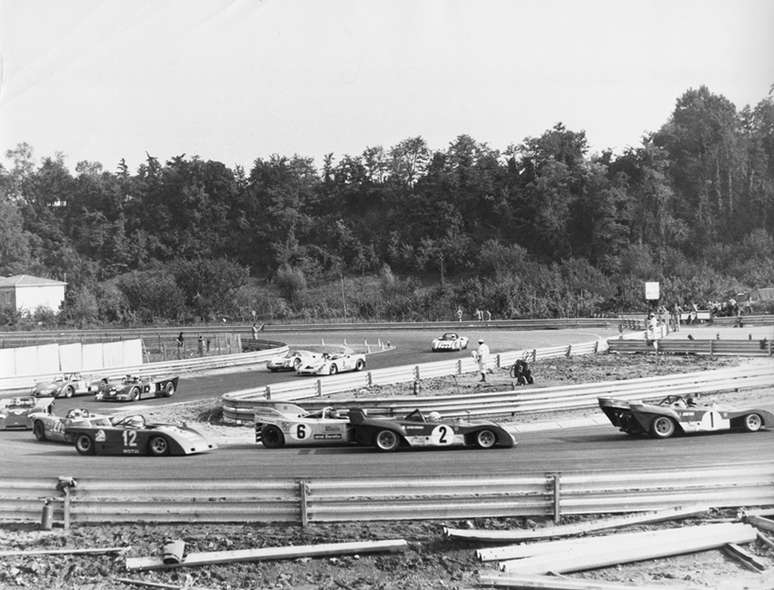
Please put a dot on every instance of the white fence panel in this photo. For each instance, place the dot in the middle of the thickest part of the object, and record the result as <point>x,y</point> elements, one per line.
<point>92,357</point>
<point>7,362</point>
<point>36,359</point>
<point>71,357</point>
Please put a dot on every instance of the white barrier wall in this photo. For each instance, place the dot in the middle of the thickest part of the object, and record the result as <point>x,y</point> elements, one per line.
<point>55,358</point>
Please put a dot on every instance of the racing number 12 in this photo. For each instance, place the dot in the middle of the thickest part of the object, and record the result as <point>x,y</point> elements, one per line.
<point>130,438</point>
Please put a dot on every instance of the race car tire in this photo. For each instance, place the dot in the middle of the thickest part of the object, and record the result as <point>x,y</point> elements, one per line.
<point>386,441</point>
<point>752,422</point>
<point>662,427</point>
<point>333,370</point>
<point>158,446</point>
<point>360,365</point>
<point>84,444</point>
<point>169,389</point>
<point>39,430</point>
<point>272,437</point>
<point>273,369</point>
<point>486,439</point>
<point>134,394</point>
<point>69,391</point>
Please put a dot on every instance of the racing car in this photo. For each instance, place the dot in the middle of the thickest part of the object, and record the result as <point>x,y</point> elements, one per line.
<point>449,341</point>
<point>131,435</point>
<point>282,424</point>
<point>330,363</point>
<point>131,388</point>
<point>417,430</point>
<point>679,414</point>
<point>64,385</point>
<point>47,426</point>
<point>17,411</point>
<point>289,361</point>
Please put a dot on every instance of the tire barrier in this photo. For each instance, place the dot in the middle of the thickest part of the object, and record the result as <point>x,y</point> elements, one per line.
<point>397,498</point>
<point>532,400</point>
<point>238,406</point>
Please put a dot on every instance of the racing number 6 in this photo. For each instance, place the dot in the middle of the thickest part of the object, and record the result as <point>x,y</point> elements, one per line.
<point>301,431</point>
<point>130,438</point>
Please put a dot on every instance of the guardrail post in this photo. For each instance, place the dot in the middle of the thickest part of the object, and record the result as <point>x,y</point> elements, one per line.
<point>369,379</point>
<point>497,361</point>
<point>459,366</point>
<point>711,347</point>
<point>554,482</point>
<point>416,372</point>
<point>569,350</point>
<point>303,496</point>
<point>596,346</point>
<point>769,347</point>
<point>319,388</point>
<point>268,392</point>
<point>534,354</point>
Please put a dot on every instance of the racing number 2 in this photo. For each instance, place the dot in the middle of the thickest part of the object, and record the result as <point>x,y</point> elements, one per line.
<point>441,435</point>
<point>130,438</point>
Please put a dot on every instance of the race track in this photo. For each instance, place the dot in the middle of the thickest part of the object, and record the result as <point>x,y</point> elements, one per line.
<point>578,449</point>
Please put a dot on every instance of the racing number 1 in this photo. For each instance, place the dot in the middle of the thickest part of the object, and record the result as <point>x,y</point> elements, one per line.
<point>130,438</point>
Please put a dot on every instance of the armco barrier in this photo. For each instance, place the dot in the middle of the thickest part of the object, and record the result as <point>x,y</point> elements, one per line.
<point>707,346</point>
<point>339,500</point>
<point>534,399</point>
<point>309,387</point>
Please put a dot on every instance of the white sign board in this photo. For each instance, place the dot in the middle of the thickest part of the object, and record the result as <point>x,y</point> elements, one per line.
<point>652,291</point>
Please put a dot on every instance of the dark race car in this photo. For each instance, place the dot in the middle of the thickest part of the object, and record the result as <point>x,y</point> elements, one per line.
<point>419,431</point>
<point>46,426</point>
<point>677,414</point>
<point>132,388</point>
<point>131,435</point>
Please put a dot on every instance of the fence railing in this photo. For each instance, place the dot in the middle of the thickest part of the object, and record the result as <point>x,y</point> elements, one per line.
<point>710,346</point>
<point>240,410</point>
<point>395,498</point>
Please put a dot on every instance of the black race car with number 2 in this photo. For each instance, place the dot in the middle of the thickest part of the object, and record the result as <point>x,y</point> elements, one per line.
<point>419,431</point>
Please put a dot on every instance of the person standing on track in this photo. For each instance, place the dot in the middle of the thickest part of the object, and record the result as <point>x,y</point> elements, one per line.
<point>482,357</point>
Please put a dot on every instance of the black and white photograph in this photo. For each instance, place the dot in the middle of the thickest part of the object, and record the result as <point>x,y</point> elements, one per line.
<point>391,295</point>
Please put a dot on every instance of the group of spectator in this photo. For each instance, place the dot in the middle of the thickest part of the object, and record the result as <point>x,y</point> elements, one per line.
<point>480,314</point>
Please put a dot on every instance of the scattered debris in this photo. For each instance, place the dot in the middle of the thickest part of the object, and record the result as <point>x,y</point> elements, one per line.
<point>759,521</point>
<point>149,584</point>
<point>290,551</point>
<point>745,557</point>
<point>575,529</point>
<point>541,582</point>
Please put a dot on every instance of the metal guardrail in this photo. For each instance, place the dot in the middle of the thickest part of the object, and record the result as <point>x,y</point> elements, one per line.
<point>239,410</point>
<point>398,498</point>
<point>710,346</point>
<point>235,402</point>
<point>161,368</point>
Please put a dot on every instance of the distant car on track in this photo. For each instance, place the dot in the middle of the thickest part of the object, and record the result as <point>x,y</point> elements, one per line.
<point>47,426</point>
<point>449,341</point>
<point>330,363</point>
<point>16,412</point>
<point>131,435</point>
<point>290,361</point>
<point>419,431</point>
<point>64,385</point>
<point>676,414</point>
<point>282,424</point>
<point>132,388</point>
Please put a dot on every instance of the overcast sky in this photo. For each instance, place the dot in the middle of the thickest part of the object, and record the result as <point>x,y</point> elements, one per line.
<point>234,80</point>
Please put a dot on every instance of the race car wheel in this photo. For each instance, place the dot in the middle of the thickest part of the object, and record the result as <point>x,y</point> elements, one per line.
<point>134,394</point>
<point>39,430</point>
<point>84,444</point>
<point>333,370</point>
<point>386,440</point>
<point>169,389</point>
<point>753,422</point>
<point>158,446</point>
<point>272,437</point>
<point>486,439</point>
<point>360,365</point>
<point>662,427</point>
<point>69,391</point>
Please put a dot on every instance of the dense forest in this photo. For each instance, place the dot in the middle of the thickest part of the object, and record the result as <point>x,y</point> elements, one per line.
<point>539,229</point>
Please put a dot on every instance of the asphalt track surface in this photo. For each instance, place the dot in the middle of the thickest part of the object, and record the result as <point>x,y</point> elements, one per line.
<point>574,449</point>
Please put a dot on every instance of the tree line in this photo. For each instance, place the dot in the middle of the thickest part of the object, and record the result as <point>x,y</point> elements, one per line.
<point>539,228</point>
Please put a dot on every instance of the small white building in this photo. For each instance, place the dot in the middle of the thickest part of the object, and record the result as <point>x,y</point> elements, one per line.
<point>27,293</point>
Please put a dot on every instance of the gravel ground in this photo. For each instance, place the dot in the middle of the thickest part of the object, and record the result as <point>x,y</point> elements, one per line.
<point>430,562</point>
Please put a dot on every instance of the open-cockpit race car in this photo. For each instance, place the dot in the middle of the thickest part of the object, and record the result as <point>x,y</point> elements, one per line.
<point>16,412</point>
<point>133,387</point>
<point>449,341</point>
<point>330,363</point>
<point>676,414</point>
<point>280,424</point>
<point>64,385</point>
<point>46,426</point>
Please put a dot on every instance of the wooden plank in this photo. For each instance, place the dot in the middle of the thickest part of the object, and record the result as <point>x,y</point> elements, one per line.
<point>64,551</point>
<point>761,522</point>
<point>266,553</point>
<point>149,584</point>
<point>765,540</point>
<point>576,529</point>
<point>541,582</point>
<point>746,558</point>
<point>648,548</point>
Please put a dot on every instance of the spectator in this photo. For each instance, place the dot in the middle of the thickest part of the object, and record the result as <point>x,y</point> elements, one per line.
<point>255,331</point>
<point>488,316</point>
<point>200,344</point>
<point>459,313</point>
<point>677,311</point>
<point>482,357</point>
<point>180,345</point>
